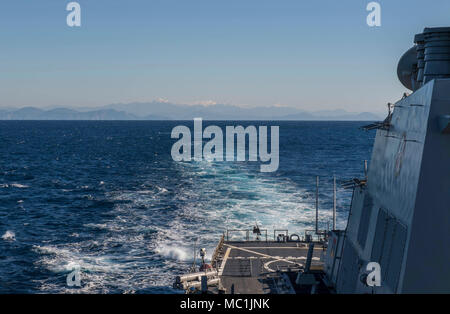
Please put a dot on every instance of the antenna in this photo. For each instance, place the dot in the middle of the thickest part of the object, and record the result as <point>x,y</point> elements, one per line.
<point>334,202</point>
<point>365,169</point>
<point>317,205</point>
<point>193,268</point>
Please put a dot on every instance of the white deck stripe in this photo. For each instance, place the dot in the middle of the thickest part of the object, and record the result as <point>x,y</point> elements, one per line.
<point>224,261</point>
<point>258,253</point>
<point>277,247</point>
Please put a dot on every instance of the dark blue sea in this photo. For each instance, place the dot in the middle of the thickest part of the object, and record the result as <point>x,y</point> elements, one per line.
<point>107,196</point>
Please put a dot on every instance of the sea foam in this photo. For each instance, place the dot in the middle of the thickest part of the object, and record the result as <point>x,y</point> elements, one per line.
<point>9,236</point>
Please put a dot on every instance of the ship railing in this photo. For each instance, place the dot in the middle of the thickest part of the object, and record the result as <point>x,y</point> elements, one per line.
<point>217,250</point>
<point>279,235</point>
<point>248,233</point>
<point>319,235</point>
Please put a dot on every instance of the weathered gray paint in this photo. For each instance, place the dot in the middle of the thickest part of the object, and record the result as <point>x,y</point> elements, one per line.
<point>428,259</point>
<point>409,178</point>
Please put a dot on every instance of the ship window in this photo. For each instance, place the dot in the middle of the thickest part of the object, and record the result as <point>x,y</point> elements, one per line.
<point>365,219</point>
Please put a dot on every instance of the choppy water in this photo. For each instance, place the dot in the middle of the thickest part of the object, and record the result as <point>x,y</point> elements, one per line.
<point>108,197</point>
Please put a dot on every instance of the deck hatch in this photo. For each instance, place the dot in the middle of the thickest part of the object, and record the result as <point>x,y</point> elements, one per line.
<point>396,256</point>
<point>349,269</point>
<point>388,248</point>
<point>377,247</point>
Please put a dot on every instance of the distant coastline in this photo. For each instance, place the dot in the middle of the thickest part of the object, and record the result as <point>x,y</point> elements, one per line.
<point>169,111</point>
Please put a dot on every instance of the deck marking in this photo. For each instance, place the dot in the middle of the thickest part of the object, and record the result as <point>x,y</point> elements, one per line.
<point>276,258</point>
<point>273,257</point>
<point>266,265</point>
<point>278,247</point>
<point>224,261</point>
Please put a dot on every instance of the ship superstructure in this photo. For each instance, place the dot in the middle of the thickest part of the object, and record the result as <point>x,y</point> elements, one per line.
<point>399,216</point>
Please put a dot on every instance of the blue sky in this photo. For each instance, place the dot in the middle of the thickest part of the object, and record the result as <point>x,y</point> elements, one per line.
<point>308,54</point>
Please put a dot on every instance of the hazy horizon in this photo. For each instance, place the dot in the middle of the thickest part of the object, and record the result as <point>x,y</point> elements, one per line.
<point>192,105</point>
<point>164,110</point>
<point>308,55</point>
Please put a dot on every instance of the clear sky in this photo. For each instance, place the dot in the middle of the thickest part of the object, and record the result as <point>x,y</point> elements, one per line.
<point>309,54</point>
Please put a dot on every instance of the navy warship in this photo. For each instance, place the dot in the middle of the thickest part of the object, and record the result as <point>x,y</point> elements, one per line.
<point>399,217</point>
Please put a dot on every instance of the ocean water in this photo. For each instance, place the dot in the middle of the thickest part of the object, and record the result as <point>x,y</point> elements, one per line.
<point>107,197</point>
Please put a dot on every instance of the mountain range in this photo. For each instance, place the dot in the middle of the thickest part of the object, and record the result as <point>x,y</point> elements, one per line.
<point>162,110</point>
